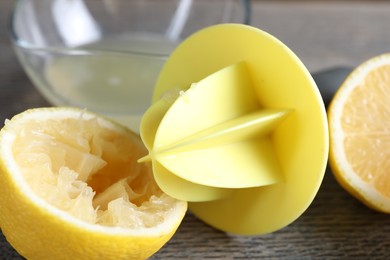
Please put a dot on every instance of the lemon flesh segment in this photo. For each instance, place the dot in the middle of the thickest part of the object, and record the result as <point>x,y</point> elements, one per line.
<point>67,172</point>
<point>269,77</point>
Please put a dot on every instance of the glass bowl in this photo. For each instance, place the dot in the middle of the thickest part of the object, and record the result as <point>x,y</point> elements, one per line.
<point>105,55</point>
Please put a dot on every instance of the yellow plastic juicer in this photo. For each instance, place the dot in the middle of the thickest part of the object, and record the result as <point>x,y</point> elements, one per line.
<point>237,128</point>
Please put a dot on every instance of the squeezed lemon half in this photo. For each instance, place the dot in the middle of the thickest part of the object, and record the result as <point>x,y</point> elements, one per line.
<point>72,189</point>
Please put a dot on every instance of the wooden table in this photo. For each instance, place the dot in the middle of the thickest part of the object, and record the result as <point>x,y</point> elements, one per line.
<point>324,35</point>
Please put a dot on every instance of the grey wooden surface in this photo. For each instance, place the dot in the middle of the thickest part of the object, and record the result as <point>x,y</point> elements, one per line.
<point>336,226</point>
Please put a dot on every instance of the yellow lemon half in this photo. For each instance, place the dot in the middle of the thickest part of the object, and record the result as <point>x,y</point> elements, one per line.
<point>71,188</point>
<point>359,121</point>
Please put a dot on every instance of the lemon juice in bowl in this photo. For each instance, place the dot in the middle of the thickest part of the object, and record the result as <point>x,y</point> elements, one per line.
<point>118,81</point>
<point>114,76</point>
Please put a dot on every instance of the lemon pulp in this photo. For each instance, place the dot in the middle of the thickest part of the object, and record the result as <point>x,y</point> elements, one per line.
<point>90,172</point>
